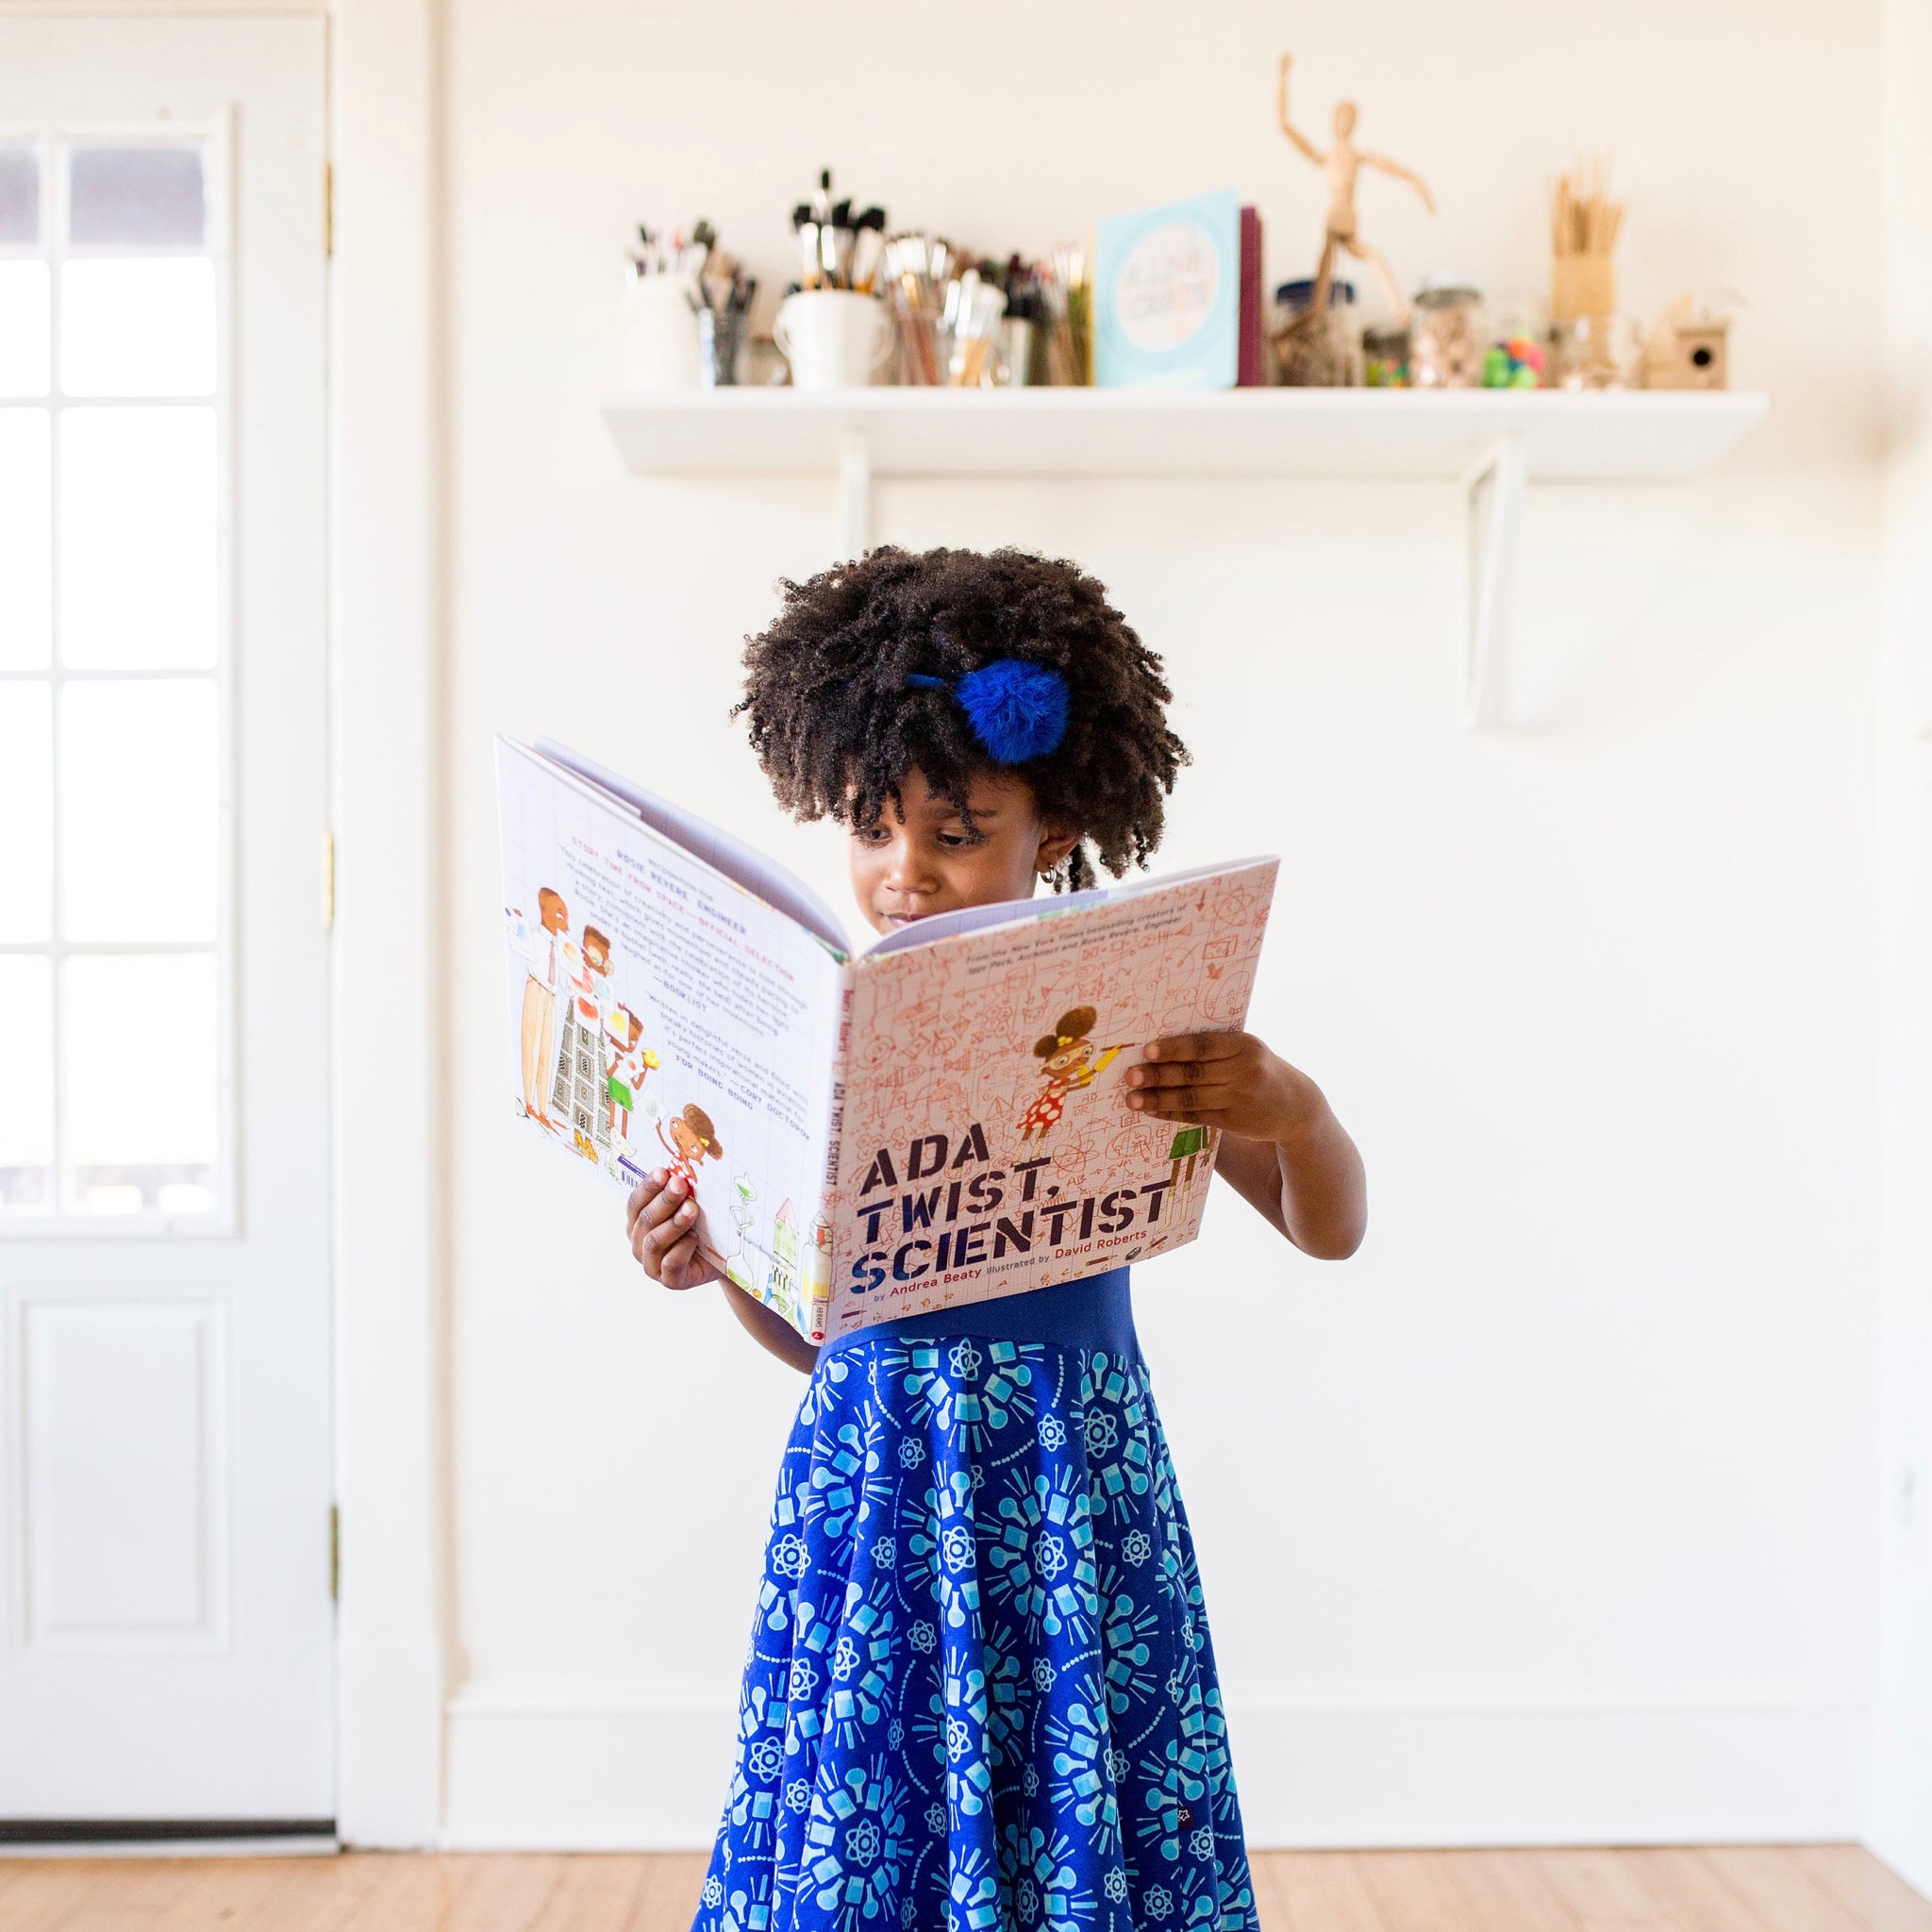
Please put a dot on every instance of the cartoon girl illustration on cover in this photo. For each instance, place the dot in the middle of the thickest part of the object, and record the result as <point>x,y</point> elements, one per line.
<point>1071,1064</point>
<point>692,1139</point>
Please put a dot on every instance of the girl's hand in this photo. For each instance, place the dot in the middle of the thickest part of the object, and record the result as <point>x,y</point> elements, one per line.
<point>663,1220</point>
<point>1225,1080</point>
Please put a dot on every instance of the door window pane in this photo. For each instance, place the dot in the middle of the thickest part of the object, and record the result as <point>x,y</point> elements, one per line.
<point>138,533</point>
<point>24,329</point>
<point>27,540</point>
<point>19,196</point>
<point>136,197</point>
<point>140,794</point>
<point>137,1057</point>
<point>111,541</point>
<point>26,814</point>
<point>139,325</point>
<point>26,1085</point>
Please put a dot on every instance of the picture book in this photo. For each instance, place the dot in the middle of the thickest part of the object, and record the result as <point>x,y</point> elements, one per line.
<point>936,1118</point>
<point>1176,292</point>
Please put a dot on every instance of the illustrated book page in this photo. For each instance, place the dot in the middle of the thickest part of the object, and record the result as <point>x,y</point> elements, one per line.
<point>984,1146</point>
<point>660,1015</point>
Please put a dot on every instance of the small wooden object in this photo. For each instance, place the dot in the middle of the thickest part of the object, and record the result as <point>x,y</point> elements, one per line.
<point>1584,222</point>
<point>1342,167</point>
<point>1688,351</point>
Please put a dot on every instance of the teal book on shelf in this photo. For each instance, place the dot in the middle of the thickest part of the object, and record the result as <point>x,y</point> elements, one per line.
<point>1167,296</point>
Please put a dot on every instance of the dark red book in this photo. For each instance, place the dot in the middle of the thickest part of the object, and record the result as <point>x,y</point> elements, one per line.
<point>1248,361</point>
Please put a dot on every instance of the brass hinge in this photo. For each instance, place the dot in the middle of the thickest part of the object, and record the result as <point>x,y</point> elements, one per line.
<point>328,881</point>
<point>328,208</point>
<point>335,1554</point>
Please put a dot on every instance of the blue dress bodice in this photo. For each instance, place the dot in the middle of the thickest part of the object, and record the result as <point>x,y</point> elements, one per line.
<point>1095,1313</point>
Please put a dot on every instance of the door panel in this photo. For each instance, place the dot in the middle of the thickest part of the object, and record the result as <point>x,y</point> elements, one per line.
<point>164,1322</point>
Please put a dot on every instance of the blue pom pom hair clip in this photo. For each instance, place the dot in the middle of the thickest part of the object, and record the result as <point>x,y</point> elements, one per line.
<point>1017,710</point>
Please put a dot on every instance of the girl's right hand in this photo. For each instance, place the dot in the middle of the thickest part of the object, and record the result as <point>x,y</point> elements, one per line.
<point>663,1218</point>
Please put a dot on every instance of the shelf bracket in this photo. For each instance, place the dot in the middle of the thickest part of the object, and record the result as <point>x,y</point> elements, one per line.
<point>855,494</point>
<point>1493,503</point>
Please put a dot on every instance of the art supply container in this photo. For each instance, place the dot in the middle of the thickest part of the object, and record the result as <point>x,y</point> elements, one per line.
<point>1447,339</point>
<point>1385,354</point>
<point>1017,336</point>
<point>720,336</point>
<point>1596,352</point>
<point>660,333</point>
<point>1311,350</point>
<point>970,315</point>
<point>833,337</point>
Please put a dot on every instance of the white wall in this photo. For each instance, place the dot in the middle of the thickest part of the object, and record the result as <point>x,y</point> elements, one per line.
<point>1902,1794</point>
<point>1551,1516</point>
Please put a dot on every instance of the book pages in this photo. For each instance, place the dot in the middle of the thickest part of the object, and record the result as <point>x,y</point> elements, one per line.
<point>659,1016</point>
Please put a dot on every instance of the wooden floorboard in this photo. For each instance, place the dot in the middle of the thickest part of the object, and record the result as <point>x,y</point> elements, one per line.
<point>1509,1891</point>
<point>1877,1895</point>
<point>1714,1889</point>
<point>1773,1882</point>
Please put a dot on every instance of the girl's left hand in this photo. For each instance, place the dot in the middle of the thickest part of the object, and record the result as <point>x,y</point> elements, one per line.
<point>1226,1080</point>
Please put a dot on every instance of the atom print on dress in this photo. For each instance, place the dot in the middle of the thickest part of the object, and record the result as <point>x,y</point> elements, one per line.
<point>981,1692</point>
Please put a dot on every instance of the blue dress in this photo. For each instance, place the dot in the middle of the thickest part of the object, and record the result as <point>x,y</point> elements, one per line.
<point>980,1694</point>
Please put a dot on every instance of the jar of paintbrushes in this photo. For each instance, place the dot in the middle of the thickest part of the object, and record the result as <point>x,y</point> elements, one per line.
<point>1591,345</point>
<point>833,329</point>
<point>660,314</point>
<point>685,309</point>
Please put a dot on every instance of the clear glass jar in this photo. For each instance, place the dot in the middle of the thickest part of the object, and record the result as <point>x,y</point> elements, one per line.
<point>1447,339</point>
<point>1519,351</point>
<point>1385,354</point>
<point>1314,351</point>
<point>1596,352</point>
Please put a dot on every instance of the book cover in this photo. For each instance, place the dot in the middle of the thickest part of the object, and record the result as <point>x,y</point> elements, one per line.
<point>987,1145</point>
<point>937,1119</point>
<point>1167,296</point>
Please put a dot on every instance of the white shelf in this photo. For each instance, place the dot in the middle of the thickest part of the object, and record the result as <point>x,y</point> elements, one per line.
<point>1631,435</point>
<point>1489,443</point>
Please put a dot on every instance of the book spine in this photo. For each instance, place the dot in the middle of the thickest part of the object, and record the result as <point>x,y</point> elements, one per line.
<point>835,1148</point>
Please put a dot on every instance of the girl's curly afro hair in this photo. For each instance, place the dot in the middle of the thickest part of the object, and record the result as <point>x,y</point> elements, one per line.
<point>837,727</point>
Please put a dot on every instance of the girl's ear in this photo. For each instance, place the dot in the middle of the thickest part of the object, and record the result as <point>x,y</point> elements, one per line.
<point>1054,847</point>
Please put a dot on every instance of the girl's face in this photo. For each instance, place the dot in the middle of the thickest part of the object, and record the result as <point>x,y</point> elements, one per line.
<point>921,859</point>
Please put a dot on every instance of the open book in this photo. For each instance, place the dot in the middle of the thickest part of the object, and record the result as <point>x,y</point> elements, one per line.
<point>937,1118</point>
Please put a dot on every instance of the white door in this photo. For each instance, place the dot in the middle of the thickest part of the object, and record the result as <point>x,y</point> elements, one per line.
<point>164,1412</point>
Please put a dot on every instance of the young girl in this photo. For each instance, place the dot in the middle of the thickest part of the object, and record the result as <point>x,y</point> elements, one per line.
<point>980,1694</point>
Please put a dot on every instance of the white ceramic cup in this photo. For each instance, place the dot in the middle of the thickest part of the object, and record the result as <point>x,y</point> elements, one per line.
<point>833,337</point>
<point>661,337</point>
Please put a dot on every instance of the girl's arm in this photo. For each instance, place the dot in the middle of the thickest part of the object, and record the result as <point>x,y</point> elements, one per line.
<point>661,1219</point>
<point>1282,1147</point>
<point>772,1333</point>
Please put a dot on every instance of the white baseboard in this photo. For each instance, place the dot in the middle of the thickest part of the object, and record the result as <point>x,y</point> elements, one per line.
<point>388,1727</point>
<point>592,1768</point>
<point>1901,1831</point>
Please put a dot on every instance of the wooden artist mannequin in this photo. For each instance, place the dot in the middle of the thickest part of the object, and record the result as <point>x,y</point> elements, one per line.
<point>1341,165</point>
